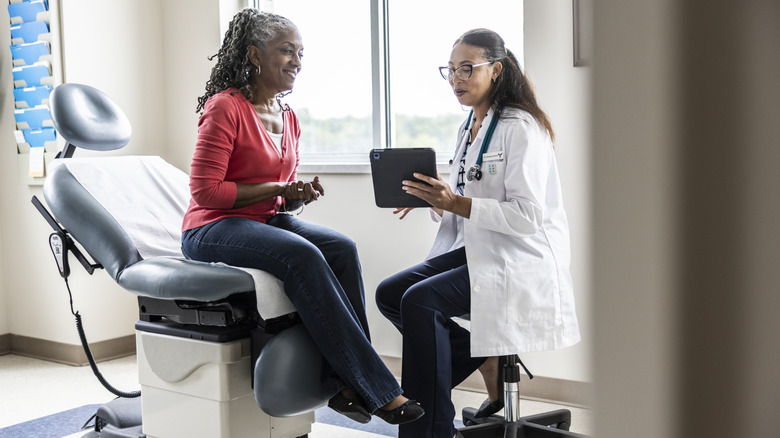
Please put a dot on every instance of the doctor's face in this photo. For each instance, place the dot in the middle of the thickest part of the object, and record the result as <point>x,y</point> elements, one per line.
<point>473,91</point>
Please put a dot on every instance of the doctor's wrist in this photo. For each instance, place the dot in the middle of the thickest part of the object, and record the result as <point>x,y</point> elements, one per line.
<point>461,205</point>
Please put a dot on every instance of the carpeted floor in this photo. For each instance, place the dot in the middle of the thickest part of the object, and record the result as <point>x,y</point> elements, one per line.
<point>52,426</point>
<point>71,421</point>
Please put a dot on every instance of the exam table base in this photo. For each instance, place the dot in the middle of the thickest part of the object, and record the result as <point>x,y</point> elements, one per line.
<point>196,388</point>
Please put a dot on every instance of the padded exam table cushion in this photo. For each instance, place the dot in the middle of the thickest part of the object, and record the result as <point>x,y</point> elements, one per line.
<point>126,212</point>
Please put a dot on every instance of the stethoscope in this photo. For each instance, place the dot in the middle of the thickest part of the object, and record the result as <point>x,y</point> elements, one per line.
<point>475,171</point>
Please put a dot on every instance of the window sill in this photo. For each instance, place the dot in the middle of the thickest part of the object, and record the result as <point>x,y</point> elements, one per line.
<point>324,168</point>
<point>313,167</point>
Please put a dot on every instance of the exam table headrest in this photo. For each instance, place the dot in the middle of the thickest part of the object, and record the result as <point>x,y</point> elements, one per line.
<point>87,118</point>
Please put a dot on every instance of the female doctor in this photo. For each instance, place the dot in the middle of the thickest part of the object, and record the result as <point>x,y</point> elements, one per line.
<point>502,250</point>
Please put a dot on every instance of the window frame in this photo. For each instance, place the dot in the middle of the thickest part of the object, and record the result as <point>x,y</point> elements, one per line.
<point>383,134</point>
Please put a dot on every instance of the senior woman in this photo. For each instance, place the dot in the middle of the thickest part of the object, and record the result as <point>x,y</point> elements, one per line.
<point>243,180</point>
<point>502,250</point>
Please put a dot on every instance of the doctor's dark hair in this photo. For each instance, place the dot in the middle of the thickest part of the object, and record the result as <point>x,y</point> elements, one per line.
<point>512,88</point>
<point>249,27</point>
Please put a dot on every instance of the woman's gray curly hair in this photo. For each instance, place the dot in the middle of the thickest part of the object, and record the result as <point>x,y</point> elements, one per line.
<point>249,27</point>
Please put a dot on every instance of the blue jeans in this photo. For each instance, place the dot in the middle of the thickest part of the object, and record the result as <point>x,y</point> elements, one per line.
<point>322,277</point>
<point>421,302</point>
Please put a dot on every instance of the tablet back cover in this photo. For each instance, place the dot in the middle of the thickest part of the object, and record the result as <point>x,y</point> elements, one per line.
<point>389,167</point>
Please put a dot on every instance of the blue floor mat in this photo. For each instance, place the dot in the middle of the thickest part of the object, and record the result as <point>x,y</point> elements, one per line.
<point>69,422</point>
<point>51,426</point>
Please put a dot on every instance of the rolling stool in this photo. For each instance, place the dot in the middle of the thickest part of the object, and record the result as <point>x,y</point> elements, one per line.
<point>553,424</point>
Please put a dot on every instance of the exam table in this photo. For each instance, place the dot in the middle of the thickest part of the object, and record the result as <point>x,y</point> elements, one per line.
<point>221,352</point>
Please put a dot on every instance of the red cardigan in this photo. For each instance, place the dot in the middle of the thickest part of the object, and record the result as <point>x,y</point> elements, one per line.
<point>234,147</point>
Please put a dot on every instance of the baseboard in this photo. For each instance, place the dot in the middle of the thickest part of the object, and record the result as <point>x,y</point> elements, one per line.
<point>70,354</point>
<point>5,343</point>
<point>567,392</point>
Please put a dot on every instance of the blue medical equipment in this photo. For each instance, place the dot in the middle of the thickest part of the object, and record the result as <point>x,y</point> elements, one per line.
<point>29,54</point>
<point>30,97</point>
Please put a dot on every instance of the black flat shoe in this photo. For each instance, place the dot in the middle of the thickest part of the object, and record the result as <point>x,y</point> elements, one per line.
<point>409,411</point>
<point>354,410</point>
<point>488,407</point>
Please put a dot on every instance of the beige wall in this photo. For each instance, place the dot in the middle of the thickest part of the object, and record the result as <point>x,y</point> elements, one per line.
<point>634,203</point>
<point>685,214</point>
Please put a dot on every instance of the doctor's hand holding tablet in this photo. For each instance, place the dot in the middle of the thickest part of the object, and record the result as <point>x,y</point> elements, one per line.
<point>501,254</point>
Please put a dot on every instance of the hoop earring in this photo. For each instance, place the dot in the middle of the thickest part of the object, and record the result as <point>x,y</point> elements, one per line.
<point>258,70</point>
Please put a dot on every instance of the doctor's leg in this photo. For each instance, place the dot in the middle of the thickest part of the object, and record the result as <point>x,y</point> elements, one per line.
<point>391,290</point>
<point>436,350</point>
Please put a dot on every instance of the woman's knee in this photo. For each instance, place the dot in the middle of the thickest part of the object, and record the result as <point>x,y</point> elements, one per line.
<point>346,247</point>
<point>388,296</point>
<point>417,298</point>
<point>308,254</point>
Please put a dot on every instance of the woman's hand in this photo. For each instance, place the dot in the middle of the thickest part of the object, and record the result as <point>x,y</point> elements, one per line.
<point>439,194</point>
<point>403,211</point>
<point>303,191</point>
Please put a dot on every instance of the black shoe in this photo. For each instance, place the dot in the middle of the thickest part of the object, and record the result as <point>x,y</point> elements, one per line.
<point>409,411</point>
<point>488,407</point>
<point>354,410</point>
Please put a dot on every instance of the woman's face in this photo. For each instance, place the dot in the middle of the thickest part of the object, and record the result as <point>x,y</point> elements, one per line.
<point>280,61</point>
<point>474,91</point>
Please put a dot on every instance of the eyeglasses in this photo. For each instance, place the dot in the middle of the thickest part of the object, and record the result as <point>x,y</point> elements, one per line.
<point>463,72</point>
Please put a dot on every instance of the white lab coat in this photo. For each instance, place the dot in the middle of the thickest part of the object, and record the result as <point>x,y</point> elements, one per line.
<point>517,241</point>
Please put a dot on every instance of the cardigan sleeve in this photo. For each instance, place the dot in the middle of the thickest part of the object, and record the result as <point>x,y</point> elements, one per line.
<point>217,130</point>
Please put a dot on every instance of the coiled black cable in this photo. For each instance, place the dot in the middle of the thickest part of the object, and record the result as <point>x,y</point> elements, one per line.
<point>90,358</point>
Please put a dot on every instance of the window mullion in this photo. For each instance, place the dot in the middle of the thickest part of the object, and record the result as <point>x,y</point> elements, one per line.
<point>380,68</point>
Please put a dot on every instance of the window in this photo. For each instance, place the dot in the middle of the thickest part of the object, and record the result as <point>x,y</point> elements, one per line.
<point>370,78</point>
<point>425,111</point>
<point>333,92</point>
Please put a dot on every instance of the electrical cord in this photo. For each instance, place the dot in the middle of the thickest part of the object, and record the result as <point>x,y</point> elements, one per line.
<point>88,352</point>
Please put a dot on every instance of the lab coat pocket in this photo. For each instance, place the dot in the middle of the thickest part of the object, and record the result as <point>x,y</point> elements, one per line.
<point>531,289</point>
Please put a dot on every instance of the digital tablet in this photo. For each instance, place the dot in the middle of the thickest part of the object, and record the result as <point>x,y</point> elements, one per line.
<point>389,167</point>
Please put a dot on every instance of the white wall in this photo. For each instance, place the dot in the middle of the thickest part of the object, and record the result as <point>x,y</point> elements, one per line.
<point>563,91</point>
<point>192,33</point>
<point>8,154</point>
<point>119,47</point>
